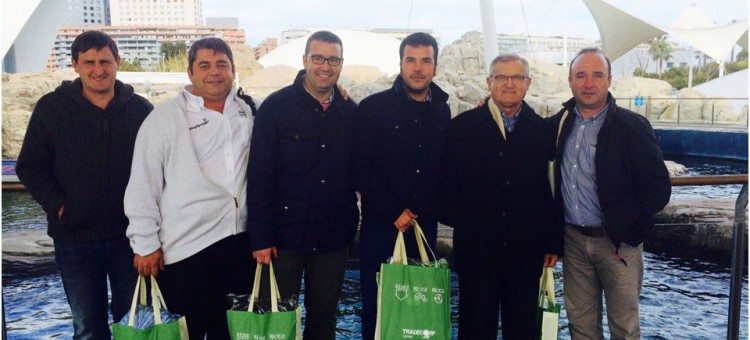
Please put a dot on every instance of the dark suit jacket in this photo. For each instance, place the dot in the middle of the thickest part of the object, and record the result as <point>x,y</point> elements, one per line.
<point>495,193</point>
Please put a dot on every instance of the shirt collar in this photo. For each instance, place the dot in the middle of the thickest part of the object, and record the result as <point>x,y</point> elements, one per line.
<point>327,101</point>
<point>427,99</point>
<point>196,103</point>
<point>595,118</point>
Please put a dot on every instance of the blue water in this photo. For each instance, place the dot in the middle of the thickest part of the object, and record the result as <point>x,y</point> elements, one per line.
<point>700,166</point>
<point>681,298</point>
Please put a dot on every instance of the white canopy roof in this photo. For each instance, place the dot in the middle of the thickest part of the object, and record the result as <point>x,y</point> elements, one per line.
<point>620,31</point>
<point>360,48</point>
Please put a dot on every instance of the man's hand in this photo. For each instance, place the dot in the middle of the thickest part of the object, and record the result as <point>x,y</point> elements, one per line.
<point>344,94</point>
<point>405,221</point>
<point>264,256</point>
<point>483,100</point>
<point>550,260</point>
<point>150,264</point>
<point>60,212</point>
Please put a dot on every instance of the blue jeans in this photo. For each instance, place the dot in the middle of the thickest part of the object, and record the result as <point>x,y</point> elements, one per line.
<point>84,268</point>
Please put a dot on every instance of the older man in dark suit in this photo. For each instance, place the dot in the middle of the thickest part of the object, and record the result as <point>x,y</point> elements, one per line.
<point>496,196</point>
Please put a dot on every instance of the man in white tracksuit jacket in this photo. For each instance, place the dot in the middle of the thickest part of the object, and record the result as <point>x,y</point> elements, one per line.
<point>187,192</point>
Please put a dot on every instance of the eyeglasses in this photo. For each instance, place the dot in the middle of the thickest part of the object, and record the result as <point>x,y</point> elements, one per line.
<point>319,60</point>
<point>517,79</point>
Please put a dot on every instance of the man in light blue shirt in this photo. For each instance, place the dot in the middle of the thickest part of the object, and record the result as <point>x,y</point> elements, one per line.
<point>613,181</point>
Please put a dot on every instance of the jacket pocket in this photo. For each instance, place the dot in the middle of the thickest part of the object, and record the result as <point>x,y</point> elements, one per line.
<point>297,148</point>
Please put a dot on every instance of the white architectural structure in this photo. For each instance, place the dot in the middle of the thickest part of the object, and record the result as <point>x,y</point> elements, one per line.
<point>360,48</point>
<point>156,12</point>
<point>549,49</point>
<point>28,31</point>
<point>716,42</point>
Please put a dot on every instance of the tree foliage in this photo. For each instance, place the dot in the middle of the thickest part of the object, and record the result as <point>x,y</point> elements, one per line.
<point>178,63</point>
<point>127,66</point>
<point>678,76</point>
<point>660,51</point>
<point>742,55</point>
<point>172,49</point>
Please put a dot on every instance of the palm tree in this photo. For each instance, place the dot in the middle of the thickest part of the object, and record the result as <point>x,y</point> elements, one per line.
<point>660,51</point>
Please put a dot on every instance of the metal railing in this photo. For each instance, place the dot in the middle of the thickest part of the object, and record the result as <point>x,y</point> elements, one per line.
<point>675,113</point>
<point>738,242</point>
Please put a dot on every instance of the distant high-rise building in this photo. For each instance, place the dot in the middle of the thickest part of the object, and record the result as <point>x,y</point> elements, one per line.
<point>223,21</point>
<point>87,13</point>
<point>266,46</point>
<point>142,43</point>
<point>156,12</point>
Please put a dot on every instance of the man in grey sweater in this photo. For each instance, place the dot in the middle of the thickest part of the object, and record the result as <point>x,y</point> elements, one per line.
<point>187,190</point>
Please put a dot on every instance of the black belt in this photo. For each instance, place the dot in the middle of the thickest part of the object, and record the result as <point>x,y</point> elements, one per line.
<point>597,231</point>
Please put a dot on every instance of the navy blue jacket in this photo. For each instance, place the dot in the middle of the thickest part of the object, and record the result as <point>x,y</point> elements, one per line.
<point>77,154</point>
<point>398,145</point>
<point>300,195</point>
<point>632,182</point>
<point>496,194</point>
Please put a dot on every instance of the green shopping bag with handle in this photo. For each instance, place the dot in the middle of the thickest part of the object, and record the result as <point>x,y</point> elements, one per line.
<point>159,331</point>
<point>413,300</point>
<point>547,309</point>
<point>249,325</point>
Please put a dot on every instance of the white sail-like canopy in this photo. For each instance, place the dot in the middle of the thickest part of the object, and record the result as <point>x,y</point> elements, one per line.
<point>620,31</point>
<point>360,48</point>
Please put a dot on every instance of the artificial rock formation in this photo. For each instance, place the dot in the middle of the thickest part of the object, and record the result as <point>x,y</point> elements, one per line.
<point>461,73</point>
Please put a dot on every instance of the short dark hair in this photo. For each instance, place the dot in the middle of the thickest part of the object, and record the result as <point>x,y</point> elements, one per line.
<point>419,39</point>
<point>92,39</point>
<point>591,50</point>
<point>324,36</point>
<point>214,44</point>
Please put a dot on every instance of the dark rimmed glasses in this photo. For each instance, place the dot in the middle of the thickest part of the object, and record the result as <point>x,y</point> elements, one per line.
<point>319,60</point>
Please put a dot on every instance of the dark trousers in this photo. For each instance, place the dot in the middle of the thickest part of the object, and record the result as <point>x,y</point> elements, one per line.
<point>324,277</point>
<point>483,291</point>
<point>196,287</point>
<point>376,241</point>
<point>84,269</point>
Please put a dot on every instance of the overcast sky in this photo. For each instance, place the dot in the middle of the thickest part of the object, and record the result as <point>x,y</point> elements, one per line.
<point>450,18</point>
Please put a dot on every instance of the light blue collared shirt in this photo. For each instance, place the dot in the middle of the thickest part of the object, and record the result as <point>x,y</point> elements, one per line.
<point>510,122</point>
<point>579,171</point>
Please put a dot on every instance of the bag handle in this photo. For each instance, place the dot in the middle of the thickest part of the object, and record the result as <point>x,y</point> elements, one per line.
<point>275,295</point>
<point>399,250</point>
<point>139,295</point>
<point>139,283</point>
<point>157,301</point>
<point>547,287</point>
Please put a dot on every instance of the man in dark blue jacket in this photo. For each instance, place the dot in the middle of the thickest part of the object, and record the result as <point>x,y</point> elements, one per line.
<point>398,142</point>
<point>610,182</point>
<point>75,161</point>
<point>302,207</point>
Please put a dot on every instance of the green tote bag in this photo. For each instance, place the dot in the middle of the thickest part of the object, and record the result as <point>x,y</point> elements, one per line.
<point>160,331</point>
<point>413,300</point>
<point>547,310</point>
<point>248,325</point>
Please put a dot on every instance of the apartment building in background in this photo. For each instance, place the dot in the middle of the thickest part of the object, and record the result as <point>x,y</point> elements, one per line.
<point>142,43</point>
<point>156,12</point>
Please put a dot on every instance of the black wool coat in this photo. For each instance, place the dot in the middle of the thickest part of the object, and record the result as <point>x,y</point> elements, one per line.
<point>496,195</point>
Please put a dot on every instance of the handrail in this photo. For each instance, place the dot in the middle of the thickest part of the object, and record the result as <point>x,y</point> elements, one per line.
<point>708,180</point>
<point>738,245</point>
